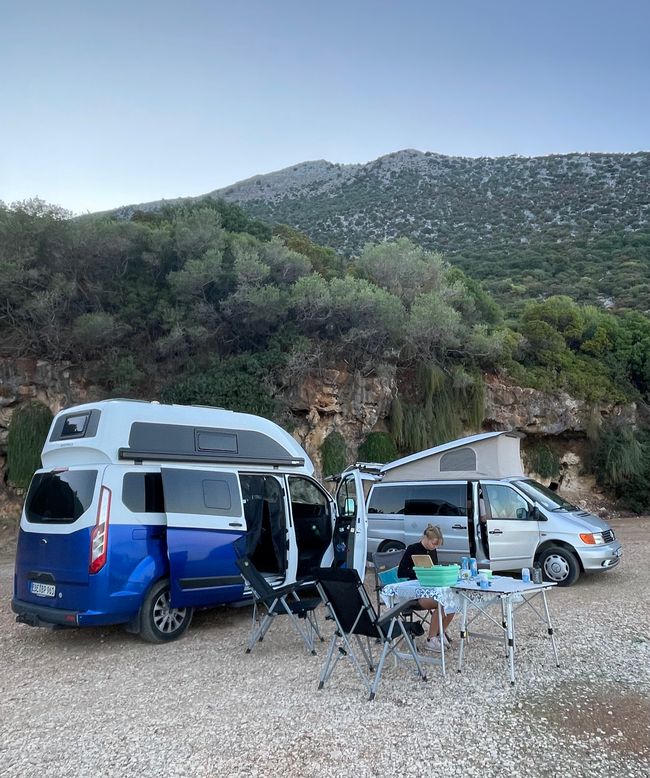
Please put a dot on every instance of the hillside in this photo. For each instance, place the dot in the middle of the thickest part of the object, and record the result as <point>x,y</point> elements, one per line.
<point>526,227</point>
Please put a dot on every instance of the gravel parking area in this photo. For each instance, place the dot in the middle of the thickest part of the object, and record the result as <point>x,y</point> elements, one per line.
<point>102,702</point>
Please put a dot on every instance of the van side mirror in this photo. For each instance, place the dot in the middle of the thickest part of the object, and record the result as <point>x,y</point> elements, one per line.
<point>537,515</point>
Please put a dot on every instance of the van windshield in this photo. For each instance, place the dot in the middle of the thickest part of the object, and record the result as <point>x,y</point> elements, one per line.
<point>60,497</point>
<point>546,497</point>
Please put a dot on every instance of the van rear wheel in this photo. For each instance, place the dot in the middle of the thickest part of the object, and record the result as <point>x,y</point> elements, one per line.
<point>159,622</point>
<point>391,545</point>
<point>559,565</point>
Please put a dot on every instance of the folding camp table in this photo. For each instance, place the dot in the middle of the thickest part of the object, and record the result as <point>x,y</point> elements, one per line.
<point>511,595</point>
<point>411,591</point>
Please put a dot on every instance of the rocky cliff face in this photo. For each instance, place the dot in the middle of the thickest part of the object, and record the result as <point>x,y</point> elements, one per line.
<point>337,399</point>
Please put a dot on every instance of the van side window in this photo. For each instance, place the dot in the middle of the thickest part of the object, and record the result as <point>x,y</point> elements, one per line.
<point>505,503</point>
<point>143,492</point>
<point>419,500</point>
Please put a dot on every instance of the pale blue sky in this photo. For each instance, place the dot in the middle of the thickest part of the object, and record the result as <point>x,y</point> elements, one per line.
<point>108,103</point>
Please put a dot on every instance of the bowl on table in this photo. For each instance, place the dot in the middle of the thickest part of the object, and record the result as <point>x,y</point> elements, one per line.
<point>438,575</point>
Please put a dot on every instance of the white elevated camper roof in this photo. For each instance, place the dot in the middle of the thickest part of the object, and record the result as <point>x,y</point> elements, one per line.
<point>490,455</point>
<point>115,431</point>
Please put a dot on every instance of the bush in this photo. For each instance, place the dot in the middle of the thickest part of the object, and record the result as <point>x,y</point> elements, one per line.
<point>377,447</point>
<point>243,383</point>
<point>334,454</point>
<point>27,433</point>
<point>541,459</point>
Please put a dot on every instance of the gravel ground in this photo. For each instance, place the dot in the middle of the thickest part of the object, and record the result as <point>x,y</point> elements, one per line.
<point>102,702</point>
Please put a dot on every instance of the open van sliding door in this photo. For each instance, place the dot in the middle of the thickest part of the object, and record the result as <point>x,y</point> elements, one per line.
<point>512,531</point>
<point>350,540</point>
<point>204,518</point>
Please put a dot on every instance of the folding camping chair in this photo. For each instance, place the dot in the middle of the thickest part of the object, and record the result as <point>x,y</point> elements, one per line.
<point>385,567</point>
<point>283,601</point>
<point>347,601</point>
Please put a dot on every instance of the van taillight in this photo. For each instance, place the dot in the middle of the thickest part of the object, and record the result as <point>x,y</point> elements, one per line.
<point>99,535</point>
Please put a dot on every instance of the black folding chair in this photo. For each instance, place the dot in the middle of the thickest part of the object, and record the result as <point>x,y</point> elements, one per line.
<point>283,601</point>
<point>347,601</point>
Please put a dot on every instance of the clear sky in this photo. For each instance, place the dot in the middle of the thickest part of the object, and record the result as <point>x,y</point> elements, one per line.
<point>109,102</point>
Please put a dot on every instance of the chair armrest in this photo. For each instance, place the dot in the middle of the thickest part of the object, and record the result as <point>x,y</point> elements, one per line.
<point>398,610</point>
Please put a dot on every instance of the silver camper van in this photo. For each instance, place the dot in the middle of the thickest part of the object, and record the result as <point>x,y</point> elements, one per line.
<point>476,491</point>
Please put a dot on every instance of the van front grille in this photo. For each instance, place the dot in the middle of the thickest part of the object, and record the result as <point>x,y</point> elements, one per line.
<point>608,535</point>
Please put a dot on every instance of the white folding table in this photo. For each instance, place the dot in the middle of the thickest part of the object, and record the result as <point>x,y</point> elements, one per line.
<point>510,594</point>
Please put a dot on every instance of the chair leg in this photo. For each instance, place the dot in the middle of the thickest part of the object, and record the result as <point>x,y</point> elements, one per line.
<point>328,666</point>
<point>257,634</point>
<point>306,635</point>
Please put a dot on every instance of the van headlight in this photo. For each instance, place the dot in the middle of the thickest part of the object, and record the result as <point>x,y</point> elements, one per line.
<point>593,538</point>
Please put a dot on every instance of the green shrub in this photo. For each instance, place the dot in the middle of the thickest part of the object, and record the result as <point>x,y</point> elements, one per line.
<point>541,459</point>
<point>243,383</point>
<point>618,456</point>
<point>27,433</point>
<point>377,447</point>
<point>334,455</point>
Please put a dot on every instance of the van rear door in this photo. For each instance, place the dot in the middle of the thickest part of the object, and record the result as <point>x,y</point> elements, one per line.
<point>52,556</point>
<point>205,516</point>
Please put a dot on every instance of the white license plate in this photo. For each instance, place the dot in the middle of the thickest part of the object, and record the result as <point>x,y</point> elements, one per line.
<point>42,590</point>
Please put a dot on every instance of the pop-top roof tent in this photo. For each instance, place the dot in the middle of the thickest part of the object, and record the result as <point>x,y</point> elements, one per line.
<point>489,455</point>
<point>137,431</point>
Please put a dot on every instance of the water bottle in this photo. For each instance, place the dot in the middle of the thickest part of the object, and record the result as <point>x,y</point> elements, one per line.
<point>537,575</point>
<point>464,563</point>
<point>484,581</point>
<point>525,574</point>
<point>473,567</point>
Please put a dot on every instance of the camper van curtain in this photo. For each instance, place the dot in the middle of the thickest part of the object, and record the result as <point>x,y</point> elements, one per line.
<point>264,510</point>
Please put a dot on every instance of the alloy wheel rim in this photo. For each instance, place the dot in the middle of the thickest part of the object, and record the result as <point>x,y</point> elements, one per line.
<point>166,618</point>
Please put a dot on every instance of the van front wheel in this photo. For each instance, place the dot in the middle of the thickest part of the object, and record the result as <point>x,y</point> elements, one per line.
<point>559,565</point>
<point>159,622</point>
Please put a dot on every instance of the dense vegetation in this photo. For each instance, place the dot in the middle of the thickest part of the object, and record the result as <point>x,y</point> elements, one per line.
<point>29,427</point>
<point>199,303</point>
<point>523,226</point>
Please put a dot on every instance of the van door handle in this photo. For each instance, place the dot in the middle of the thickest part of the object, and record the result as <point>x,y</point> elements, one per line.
<point>458,526</point>
<point>235,524</point>
<point>495,532</point>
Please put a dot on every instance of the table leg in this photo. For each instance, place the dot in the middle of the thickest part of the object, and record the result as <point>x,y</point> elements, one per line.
<point>511,639</point>
<point>463,633</point>
<point>504,624</point>
<point>441,635</point>
<point>550,627</point>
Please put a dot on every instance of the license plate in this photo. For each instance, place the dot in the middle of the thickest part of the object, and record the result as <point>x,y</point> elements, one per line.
<point>42,590</point>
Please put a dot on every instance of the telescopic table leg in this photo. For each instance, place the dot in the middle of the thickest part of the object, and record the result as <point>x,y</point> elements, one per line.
<point>504,624</point>
<point>441,636</point>
<point>463,633</point>
<point>511,639</point>
<point>550,627</point>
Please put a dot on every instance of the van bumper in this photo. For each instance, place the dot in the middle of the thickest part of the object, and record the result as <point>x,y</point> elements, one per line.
<point>601,557</point>
<point>57,618</point>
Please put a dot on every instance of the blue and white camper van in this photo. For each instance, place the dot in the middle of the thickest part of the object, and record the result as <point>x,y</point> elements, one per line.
<point>138,509</point>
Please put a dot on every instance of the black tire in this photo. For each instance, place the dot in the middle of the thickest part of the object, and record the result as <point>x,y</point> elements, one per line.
<point>559,565</point>
<point>391,545</point>
<point>158,622</point>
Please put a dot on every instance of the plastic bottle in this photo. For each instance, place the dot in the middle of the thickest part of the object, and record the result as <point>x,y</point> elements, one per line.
<point>473,567</point>
<point>484,581</point>
<point>525,574</point>
<point>464,563</point>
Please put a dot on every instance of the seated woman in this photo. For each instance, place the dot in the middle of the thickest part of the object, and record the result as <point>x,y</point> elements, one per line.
<point>431,539</point>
